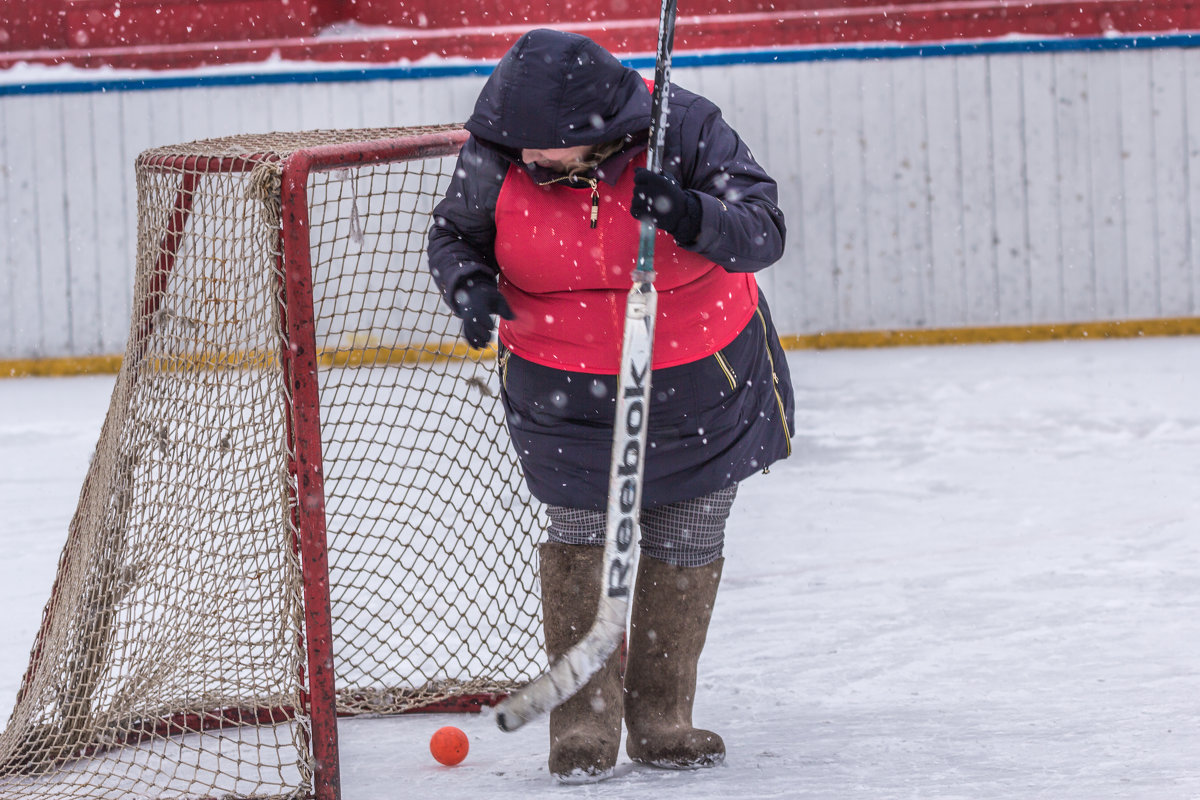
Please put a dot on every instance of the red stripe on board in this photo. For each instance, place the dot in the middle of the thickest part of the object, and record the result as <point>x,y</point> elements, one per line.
<point>790,24</point>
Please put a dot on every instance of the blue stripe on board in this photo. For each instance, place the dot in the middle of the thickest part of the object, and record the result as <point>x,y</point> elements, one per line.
<point>867,52</point>
<point>187,80</point>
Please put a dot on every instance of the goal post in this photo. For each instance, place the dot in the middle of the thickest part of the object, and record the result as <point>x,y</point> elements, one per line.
<point>303,504</point>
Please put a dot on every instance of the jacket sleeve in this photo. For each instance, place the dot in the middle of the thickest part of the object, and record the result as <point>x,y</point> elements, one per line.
<point>741,226</point>
<point>461,240</point>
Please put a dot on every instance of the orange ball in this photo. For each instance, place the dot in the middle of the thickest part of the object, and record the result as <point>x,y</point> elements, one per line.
<point>449,745</point>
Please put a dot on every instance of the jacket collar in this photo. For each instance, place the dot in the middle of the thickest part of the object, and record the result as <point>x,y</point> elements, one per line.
<point>608,172</point>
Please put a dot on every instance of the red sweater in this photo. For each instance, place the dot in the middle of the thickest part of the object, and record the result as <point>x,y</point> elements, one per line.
<point>567,282</point>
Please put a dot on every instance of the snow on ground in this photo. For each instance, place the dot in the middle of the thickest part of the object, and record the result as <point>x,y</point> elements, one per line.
<point>978,577</point>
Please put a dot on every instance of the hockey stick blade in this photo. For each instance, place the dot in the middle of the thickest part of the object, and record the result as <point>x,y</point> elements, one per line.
<point>568,674</point>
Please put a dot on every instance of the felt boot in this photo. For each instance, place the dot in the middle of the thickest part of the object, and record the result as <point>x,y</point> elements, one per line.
<point>585,731</point>
<point>671,610</point>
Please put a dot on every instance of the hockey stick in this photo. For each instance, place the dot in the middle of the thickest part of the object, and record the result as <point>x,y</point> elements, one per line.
<point>574,668</point>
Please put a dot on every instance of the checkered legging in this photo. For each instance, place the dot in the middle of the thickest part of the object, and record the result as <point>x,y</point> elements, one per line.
<point>690,533</point>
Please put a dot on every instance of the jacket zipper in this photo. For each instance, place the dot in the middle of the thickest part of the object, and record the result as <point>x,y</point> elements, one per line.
<point>727,368</point>
<point>775,383</point>
<point>591,182</point>
<point>504,369</point>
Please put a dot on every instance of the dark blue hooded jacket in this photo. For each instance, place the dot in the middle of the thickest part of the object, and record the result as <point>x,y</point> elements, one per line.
<point>712,422</point>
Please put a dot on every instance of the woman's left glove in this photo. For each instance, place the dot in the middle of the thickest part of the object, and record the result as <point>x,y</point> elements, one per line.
<point>476,301</point>
<point>660,198</point>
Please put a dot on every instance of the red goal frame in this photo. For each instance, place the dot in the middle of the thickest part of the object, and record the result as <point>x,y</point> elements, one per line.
<point>299,359</point>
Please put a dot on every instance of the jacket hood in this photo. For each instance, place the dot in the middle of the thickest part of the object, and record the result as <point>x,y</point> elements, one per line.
<point>554,89</point>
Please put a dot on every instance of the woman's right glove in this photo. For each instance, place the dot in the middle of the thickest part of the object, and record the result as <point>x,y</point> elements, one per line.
<point>476,301</point>
<point>660,198</point>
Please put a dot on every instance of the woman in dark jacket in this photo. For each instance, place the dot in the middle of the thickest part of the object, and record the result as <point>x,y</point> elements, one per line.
<point>539,227</point>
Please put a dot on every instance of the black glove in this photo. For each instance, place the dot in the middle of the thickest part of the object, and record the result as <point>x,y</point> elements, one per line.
<point>660,198</point>
<point>475,303</point>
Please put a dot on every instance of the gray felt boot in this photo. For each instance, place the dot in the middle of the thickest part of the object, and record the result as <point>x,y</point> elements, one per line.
<point>671,610</point>
<point>585,731</point>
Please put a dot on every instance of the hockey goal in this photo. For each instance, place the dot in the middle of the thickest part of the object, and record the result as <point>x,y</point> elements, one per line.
<point>303,503</point>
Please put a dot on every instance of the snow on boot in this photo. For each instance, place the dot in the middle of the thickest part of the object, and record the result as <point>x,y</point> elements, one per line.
<point>585,731</point>
<point>671,610</point>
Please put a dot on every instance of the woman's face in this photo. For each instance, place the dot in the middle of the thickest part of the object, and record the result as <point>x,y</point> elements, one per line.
<point>560,159</point>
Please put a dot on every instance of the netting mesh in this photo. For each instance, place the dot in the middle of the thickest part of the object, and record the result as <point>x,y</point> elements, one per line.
<point>172,658</point>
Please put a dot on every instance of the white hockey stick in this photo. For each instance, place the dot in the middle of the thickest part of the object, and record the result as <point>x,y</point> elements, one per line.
<point>574,668</point>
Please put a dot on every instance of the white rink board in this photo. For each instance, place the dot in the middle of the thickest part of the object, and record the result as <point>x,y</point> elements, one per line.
<point>989,188</point>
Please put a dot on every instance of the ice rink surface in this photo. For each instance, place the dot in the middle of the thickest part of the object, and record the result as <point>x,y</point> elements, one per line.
<point>977,577</point>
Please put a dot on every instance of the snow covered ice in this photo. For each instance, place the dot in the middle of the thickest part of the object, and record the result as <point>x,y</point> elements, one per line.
<point>977,577</point>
